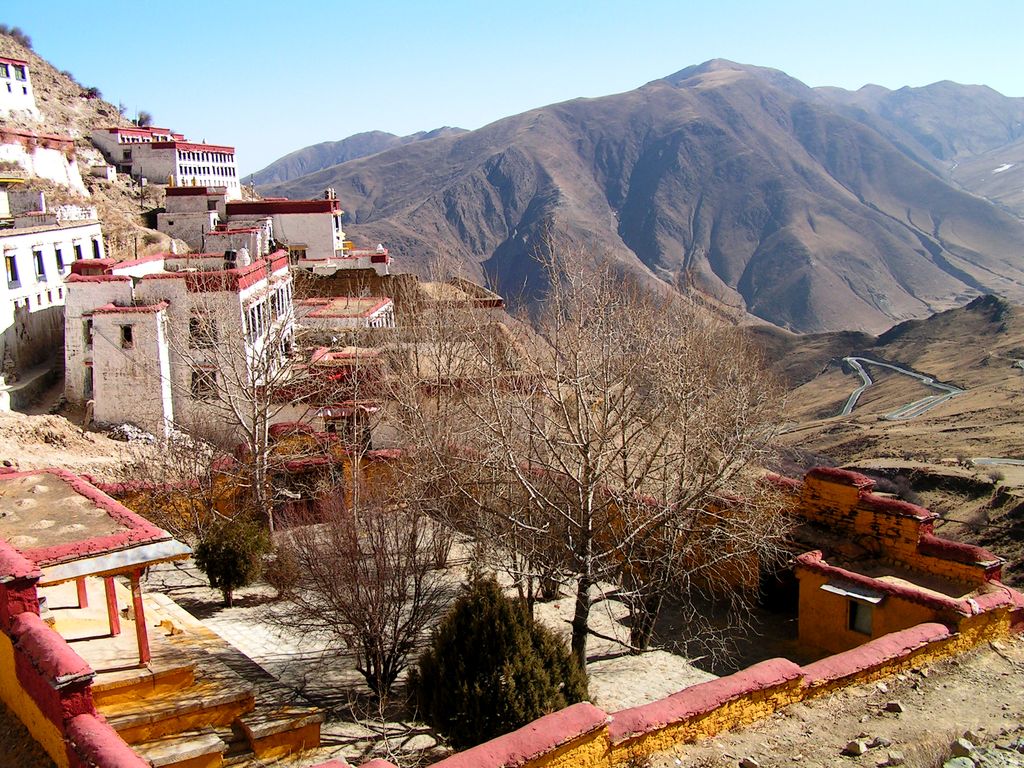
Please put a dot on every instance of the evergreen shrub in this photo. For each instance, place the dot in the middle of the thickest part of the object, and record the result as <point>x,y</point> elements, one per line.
<point>492,668</point>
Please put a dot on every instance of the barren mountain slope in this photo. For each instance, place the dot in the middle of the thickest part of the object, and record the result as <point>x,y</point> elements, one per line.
<point>327,153</point>
<point>739,181</point>
<point>976,348</point>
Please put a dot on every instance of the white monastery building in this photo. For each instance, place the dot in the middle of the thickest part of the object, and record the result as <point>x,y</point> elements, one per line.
<point>153,341</point>
<point>16,88</point>
<point>310,230</point>
<point>164,157</point>
<point>39,248</point>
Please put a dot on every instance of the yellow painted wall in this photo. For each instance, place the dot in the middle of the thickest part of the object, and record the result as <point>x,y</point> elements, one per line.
<point>592,750</point>
<point>823,623</point>
<point>42,729</point>
<point>746,709</point>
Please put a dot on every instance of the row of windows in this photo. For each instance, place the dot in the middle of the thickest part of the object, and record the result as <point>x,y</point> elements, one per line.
<point>261,314</point>
<point>207,170</point>
<point>27,301</point>
<point>24,90</point>
<point>19,71</point>
<point>14,275</point>
<point>126,139</point>
<point>216,157</point>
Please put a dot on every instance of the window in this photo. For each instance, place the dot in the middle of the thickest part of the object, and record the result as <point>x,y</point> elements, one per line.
<point>78,251</point>
<point>12,270</point>
<point>87,332</point>
<point>202,332</point>
<point>40,267</point>
<point>860,617</point>
<point>127,340</point>
<point>19,72</point>
<point>97,253</point>
<point>4,71</point>
<point>126,154</point>
<point>59,253</point>
<point>204,384</point>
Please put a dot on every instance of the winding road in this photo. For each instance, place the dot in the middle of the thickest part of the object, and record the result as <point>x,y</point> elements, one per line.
<point>908,411</point>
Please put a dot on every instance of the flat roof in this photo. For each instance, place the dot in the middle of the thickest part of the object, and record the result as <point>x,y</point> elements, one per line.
<point>70,528</point>
<point>345,306</point>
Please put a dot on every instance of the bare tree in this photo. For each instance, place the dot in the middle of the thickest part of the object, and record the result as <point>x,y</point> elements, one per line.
<point>372,574</point>
<point>616,442</point>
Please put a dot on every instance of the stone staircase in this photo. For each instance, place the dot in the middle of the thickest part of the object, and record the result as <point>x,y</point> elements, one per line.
<point>198,703</point>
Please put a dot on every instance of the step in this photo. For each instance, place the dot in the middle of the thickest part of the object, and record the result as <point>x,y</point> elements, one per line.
<point>274,733</point>
<point>191,749</point>
<point>130,684</point>
<point>209,702</point>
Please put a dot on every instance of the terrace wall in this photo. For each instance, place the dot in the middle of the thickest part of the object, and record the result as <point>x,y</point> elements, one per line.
<point>45,683</point>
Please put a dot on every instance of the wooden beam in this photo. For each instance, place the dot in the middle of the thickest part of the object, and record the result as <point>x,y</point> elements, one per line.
<point>83,594</point>
<point>140,619</point>
<point>113,618</point>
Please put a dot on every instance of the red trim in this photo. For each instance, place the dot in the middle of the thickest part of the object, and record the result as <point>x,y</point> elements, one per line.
<point>112,309</point>
<point>271,207</point>
<point>97,278</point>
<point>135,262</point>
<point>845,476</point>
<point>6,60</point>
<point>191,146</point>
<point>138,530</point>
<point>195,191</point>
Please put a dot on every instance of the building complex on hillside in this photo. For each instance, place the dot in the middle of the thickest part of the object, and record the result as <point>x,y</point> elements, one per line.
<point>39,247</point>
<point>152,341</point>
<point>16,88</point>
<point>310,230</point>
<point>165,157</point>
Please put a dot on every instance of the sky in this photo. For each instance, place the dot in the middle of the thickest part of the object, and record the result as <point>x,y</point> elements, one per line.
<point>272,77</point>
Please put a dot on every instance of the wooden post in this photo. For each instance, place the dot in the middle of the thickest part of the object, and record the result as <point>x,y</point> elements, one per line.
<point>83,595</point>
<point>140,619</point>
<point>113,618</point>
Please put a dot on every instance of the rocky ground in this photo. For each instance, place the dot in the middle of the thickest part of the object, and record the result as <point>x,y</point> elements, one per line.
<point>914,720</point>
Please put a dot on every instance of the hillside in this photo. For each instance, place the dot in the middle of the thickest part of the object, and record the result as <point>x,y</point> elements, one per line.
<point>976,348</point>
<point>739,181</point>
<point>327,153</point>
<point>70,108</point>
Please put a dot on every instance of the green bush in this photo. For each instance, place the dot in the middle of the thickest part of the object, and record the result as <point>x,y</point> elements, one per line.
<point>492,668</point>
<point>230,554</point>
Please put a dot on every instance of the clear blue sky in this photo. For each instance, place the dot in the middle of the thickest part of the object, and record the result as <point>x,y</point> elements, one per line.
<point>271,77</point>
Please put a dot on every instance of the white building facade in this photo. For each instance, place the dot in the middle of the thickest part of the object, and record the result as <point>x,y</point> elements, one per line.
<point>39,248</point>
<point>154,341</point>
<point>16,88</point>
<point>164,157</point>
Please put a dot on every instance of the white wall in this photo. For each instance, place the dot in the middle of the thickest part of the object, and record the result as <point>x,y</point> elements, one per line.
<point>45,163</point>
<point>130,381</point>
<point>16,95</point>
<point>31,323</point>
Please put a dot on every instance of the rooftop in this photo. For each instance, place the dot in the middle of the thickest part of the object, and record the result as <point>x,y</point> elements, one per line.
<point>70,528</point>
<point>344,306</point>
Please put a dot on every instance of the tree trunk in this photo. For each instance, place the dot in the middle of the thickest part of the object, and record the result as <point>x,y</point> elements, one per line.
<point>229,597</point>
<point>581,621</point>
<point>644,614</point>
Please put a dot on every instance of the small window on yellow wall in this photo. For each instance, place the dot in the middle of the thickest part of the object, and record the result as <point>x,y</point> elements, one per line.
<point>860,617</point>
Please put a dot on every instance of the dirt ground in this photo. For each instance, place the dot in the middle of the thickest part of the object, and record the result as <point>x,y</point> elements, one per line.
<point>981,692</point>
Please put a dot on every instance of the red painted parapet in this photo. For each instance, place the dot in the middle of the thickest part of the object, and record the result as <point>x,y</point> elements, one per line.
<point>92,743</point>
<point>873,655</point>
<point>702,699</point>
<point>531,741</point>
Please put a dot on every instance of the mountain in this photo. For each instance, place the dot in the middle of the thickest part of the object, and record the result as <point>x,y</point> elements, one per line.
<point>325,154</point>
<point>977,347</point>
<point>811,209</point>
